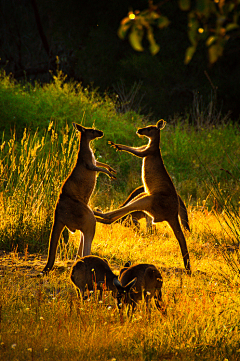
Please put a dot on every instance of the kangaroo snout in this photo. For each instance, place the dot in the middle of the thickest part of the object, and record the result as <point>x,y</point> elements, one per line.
<point>140,131</point>
<point>100,133</point>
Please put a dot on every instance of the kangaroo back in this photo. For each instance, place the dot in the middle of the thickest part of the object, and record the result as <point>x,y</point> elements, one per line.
<point>90,271</point>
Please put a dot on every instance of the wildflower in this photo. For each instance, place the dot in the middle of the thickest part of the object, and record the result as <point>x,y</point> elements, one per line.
<point>29,349</point>
<point>46,349</point>
<point>100,301</point>
<point>41,318</point>
<point>13,345</point>
<point>91,291</point>
<point>109,308</point>
<point>148,293</point>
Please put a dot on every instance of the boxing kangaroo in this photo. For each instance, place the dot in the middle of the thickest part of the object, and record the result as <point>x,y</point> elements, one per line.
<point>159,199</point>
<point>72,209</point>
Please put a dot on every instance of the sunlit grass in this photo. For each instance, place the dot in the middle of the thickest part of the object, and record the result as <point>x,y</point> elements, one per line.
<point>41,319</point>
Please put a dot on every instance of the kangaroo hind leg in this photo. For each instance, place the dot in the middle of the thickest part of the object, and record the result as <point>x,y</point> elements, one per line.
<point>53,242</point>
<point>175,225</point>
<point>139,204</point>
<point>81,246</point>
<point>87,227</point>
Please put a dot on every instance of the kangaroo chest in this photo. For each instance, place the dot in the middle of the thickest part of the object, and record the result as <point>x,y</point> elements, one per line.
<point>82,180</point>
<point>154,175</point>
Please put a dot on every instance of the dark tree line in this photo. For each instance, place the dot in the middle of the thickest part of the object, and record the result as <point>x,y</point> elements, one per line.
<point>84,37</point>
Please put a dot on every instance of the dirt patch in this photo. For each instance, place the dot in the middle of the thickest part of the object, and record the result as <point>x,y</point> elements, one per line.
<point>30,265</point>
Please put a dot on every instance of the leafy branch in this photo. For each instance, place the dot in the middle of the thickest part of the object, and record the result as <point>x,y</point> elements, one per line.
<point>212,21</point>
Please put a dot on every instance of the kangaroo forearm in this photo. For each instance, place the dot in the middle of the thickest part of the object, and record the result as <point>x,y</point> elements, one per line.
<point>139,151</point>
<point>103,165</point>
<point>100,169</point>
<point>96,168</point>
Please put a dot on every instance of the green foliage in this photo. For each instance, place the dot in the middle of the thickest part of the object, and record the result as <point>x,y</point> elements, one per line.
<point>139,22</point>
<point>211,21</point>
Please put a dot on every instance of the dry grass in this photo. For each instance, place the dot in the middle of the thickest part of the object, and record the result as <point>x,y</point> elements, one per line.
<point>42,319</point>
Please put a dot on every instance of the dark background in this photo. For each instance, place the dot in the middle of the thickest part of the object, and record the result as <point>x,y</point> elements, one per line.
<point>83,34</point>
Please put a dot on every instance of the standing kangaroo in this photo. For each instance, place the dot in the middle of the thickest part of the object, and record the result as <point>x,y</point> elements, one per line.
<point>160,199</point>
<point>72,209</point>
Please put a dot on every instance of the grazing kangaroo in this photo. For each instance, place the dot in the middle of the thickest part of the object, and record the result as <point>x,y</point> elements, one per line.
<point>72,209</point>
<point>159,199</point>
<point>91,270</point>
<point>146,280</point>
<point>137,215</point>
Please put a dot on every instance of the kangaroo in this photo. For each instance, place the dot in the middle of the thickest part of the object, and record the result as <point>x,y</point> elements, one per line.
<point>137,215</point>
<point>146,280</point>
<point>159,199</point>
<point>91,270</point>
<point>72,209</point>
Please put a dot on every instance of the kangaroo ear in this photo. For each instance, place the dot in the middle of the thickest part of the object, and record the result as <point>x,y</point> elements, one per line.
<point>117,283</point>
<point>131,284</point>
<point>78,127</point>
<point>161,124</point>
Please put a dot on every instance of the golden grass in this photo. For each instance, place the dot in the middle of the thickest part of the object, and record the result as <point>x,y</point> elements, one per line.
<point>42,319</point>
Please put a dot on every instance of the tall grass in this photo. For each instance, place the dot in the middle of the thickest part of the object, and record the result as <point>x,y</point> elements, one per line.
<point>227,213</point>
<point>31,175</point>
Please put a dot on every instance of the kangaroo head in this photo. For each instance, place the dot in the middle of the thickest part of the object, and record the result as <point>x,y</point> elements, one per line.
<point>152,131</point>
<point>123,294</point>
<point>89,133</point>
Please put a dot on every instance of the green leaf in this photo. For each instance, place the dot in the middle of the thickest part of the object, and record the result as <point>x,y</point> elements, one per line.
<point>232,26</point>
<point>126,23</point>
<point>135,39</point>
<point>189,54</point>
<point>214,52</point>
<point>162,21</point>
<point>154,47</point>
<point>211,40</point>
<point>193,25</point>
<point>184,4</point>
